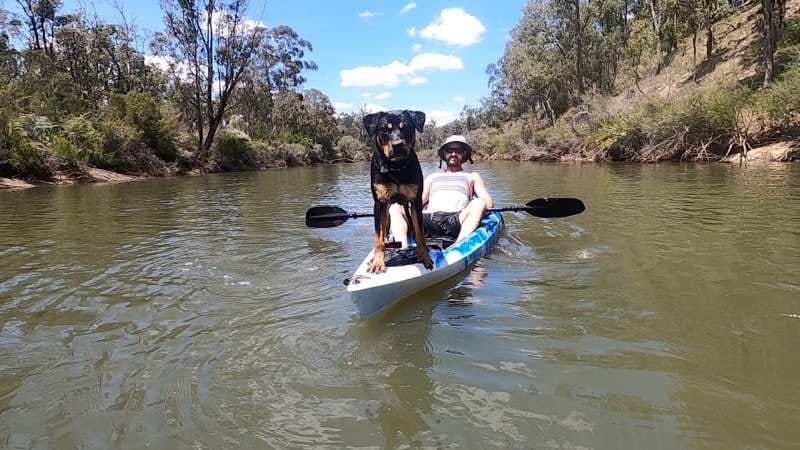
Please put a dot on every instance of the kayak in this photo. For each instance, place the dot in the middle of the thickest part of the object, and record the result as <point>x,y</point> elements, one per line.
<point>373,292</point>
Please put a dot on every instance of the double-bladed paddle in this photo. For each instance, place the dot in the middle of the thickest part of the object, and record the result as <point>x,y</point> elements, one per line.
<point>333,216</point>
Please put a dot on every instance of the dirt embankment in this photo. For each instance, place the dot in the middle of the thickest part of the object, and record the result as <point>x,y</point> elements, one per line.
<point>85,175</point>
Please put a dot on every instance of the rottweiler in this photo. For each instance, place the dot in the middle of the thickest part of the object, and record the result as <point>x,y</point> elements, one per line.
<point>396,177</point>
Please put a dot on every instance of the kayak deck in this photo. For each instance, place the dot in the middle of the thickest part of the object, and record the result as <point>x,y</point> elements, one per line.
<point>373,292</point>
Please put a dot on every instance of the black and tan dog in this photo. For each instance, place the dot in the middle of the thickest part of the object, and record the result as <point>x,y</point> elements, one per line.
<point>396,177</point>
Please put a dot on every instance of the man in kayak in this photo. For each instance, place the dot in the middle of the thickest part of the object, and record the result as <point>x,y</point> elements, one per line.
<point>454,200</point>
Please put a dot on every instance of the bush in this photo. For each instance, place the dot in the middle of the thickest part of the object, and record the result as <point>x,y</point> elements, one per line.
<point>141,111</point>
<point>781,103</point>
<point>233,151</point>
<point>78,141</point>
<point>136,158</point>
<point>351,149</point>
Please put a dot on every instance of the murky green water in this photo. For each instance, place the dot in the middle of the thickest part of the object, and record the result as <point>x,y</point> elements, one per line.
<point>200,313</point>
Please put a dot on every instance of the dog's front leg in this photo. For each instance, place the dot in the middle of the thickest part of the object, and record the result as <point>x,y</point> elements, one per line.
<point>377,264</point>
<point>419,234</point>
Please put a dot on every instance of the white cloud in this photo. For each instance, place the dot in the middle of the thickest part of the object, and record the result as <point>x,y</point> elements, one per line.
<point>221,25</point>
<point>416,48</point>
<point>412,31</point>
<point>392,74</point>
<point>374,107</point>
<point>436,61</point>
<point>342,105</point>
<point>367,94</point>
<point>168,64</point>
<point>458,99</point>
<point>408,7</point>
<point>417,80</point>
<point>388,75</point>
<point>369,14</point>
<point>453,26</point>
<point>383,95</point>
<point>442,117</point>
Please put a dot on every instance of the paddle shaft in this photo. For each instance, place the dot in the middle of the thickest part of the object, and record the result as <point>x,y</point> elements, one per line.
<point>332,216</point>
<point>357,215</point>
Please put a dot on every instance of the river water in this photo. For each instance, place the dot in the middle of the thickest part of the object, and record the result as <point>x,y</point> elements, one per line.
<point>200,313</point>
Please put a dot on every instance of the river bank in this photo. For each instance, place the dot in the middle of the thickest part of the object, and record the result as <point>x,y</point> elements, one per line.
<point>779,152</point>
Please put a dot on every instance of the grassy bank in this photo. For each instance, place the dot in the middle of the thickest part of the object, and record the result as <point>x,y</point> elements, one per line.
<point>137,136</point>
<point>689,110</point>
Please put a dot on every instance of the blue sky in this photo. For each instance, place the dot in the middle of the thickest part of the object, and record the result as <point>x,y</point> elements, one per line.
<point>400,54</point>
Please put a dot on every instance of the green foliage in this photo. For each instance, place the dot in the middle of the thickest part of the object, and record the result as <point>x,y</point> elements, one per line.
<point>701,125</point>
<point>141,111</point>
<point>781,103</point>
<point>791,33</point>
<point>67,152</point>
<point>617,137</point>
<point>233,151</point>
<point>19,154</point>
<point>80,132</point>
<point>352,149</point>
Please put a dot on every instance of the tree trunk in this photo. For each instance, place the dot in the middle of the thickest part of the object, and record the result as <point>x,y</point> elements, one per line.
<point>578,49</point>
<point>708,16</point>
<point>694,55</point>
<point>769,42</point>
<point>656,23</point>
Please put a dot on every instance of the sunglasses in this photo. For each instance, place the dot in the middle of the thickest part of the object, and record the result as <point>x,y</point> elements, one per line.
<point>458,150</point>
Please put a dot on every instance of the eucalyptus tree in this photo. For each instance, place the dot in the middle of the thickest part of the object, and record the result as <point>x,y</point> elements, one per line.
<point>213,44</point>
<point>277,66</point>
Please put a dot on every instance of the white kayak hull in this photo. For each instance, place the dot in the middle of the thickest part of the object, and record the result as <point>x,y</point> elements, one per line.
<point>373,292</point>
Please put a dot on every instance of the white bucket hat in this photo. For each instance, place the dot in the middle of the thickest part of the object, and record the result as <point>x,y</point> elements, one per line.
<point>455,140</point>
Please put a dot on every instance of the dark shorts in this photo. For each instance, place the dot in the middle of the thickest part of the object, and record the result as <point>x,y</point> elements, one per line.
<point>441,224</point>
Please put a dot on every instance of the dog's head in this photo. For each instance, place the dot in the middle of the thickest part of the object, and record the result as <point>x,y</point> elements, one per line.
<point>394,132</point>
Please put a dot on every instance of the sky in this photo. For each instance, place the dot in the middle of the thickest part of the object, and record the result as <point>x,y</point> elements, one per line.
<point>423,55</point>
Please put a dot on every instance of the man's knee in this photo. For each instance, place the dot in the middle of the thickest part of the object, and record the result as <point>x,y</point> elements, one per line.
<point>477,204</point>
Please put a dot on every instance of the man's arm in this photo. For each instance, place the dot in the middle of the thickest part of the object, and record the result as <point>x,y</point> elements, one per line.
<point>479,188</point>
<point>426,190</point>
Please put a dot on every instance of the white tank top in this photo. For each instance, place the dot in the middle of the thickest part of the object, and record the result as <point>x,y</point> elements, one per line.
<point>449,192</point>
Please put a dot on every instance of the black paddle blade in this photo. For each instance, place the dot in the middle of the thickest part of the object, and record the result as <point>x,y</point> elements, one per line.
<point>554,207</point>
<point>325,217</point>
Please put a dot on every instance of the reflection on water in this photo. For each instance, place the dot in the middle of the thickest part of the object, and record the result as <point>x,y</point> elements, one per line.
<point>200,313</point>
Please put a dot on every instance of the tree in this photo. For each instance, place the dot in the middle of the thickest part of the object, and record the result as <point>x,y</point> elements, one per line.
<point>213,44</point>
<point>277,66</point>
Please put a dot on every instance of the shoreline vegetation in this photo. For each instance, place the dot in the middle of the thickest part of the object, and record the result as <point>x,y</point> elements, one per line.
<point>83,99</point>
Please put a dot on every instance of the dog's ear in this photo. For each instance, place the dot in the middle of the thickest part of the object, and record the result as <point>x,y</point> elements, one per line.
<point>418,117</point>
<point>371,122</point>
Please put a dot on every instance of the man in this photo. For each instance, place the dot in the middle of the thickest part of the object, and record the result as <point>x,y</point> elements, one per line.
<point>455,200</point>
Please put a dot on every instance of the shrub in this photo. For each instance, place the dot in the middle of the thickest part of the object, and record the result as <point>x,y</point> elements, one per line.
<point>351,149</point>
<point>67,153</point>
<point>141,111</point>
<point>135,157</point>
<point>85,142</point>
<point>233,150</point>
<point>781,103</point>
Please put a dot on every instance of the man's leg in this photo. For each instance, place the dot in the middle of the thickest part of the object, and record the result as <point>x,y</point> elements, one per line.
<point>398,224</point>
<point>470,217</point>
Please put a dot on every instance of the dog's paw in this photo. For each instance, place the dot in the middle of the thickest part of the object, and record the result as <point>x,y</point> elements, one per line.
<point>426,261</point>
<point>377,265</point>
